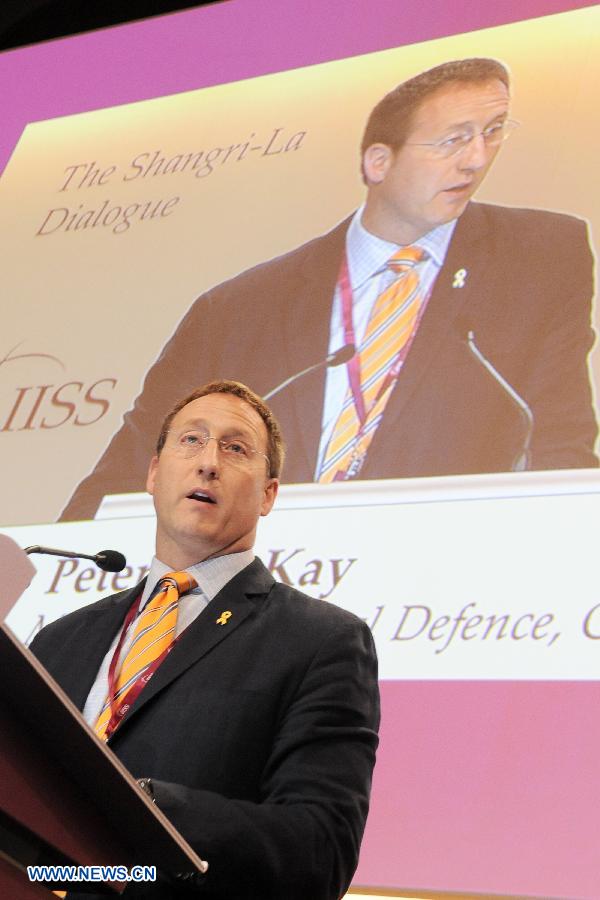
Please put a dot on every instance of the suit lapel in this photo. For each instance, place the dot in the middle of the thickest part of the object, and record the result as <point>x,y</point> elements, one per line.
<point>459,284</point>
<point>239,598</point>
<point>95,632</point>
<point>306,330</point>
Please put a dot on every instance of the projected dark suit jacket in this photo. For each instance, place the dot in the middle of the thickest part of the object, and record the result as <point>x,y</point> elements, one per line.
<point>526,296</point>
<point>261,734</point>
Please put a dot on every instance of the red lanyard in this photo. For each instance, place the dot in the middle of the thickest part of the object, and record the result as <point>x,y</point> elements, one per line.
<point>120,706</point>
<point>353,365</point>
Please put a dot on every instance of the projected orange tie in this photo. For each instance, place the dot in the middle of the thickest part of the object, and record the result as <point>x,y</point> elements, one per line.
<point>154,633</point>
<point>389,330</point>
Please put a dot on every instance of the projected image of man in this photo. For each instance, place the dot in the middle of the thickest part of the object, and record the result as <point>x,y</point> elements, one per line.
<point>437,293</point>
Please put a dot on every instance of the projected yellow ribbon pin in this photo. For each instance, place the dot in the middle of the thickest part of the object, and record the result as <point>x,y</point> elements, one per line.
<point>224,617</point>
<point>459,278</point>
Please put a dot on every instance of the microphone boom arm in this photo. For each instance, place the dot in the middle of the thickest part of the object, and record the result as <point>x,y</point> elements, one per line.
<point>338,358</point>
<point>523,460</point>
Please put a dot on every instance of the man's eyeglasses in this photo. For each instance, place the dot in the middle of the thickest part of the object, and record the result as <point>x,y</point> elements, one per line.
<point>234,450</point>
<point>454,144</point>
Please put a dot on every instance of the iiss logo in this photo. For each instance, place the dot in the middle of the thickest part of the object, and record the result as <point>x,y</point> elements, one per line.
<point>28,406</point>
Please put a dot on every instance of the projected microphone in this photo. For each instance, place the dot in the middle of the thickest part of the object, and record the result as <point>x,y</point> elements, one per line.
<point>338,358</point>
<point>523,459</point>
<point>107,560</point>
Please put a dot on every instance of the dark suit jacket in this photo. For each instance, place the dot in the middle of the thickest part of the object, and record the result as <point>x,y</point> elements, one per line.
<point>526,296</point>
<point>261,733</point>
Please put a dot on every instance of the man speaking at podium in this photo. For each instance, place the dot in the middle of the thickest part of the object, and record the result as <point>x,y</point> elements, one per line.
<point>249,710</point>
<point>408,279</point>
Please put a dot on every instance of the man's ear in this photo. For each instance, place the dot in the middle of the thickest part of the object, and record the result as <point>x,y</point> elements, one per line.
<point>376,161</point>
<point>271,488</point>
<point>151,477</point>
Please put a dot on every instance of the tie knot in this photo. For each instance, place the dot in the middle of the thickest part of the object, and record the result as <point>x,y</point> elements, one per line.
<point>405,258</point>
<point>183,581</point>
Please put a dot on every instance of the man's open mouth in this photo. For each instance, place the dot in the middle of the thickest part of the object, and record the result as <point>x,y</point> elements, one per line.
<point>201,497</point>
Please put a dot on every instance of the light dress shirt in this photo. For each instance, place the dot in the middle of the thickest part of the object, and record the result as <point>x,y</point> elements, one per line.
<point>369,276</point>
<point>211,575</point>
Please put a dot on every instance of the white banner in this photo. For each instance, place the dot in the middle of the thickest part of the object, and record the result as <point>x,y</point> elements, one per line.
<point>482,577</point>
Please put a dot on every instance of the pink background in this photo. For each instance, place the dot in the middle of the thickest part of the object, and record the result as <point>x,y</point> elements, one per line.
<point>226,42</point>
<point>489,787</point>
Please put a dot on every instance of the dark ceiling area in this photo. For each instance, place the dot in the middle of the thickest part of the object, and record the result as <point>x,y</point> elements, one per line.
<point>25,22</point>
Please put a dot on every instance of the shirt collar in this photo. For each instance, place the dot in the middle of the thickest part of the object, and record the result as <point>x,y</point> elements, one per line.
<point>211,574</point>
<point>368,254</point>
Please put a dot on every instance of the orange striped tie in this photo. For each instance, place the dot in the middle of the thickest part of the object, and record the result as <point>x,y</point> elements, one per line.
<point>154,633</point>
<point>389,331</point>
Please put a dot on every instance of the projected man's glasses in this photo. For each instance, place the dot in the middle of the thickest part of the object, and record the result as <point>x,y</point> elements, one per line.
<point>456,143</point>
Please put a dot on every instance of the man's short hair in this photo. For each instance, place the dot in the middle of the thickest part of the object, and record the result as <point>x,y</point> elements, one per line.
<point>275,447</point>
<point>391,120</point>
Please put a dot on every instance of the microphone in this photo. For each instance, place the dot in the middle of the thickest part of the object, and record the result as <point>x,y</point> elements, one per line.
<point>522,461</point>
<point>338,358</point>
<point>107,560</point>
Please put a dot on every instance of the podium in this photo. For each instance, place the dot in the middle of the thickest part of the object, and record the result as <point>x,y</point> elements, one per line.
<point>65,799</point>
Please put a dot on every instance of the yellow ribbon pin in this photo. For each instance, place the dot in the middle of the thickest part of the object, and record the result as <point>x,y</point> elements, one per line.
<point>223,618</point>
